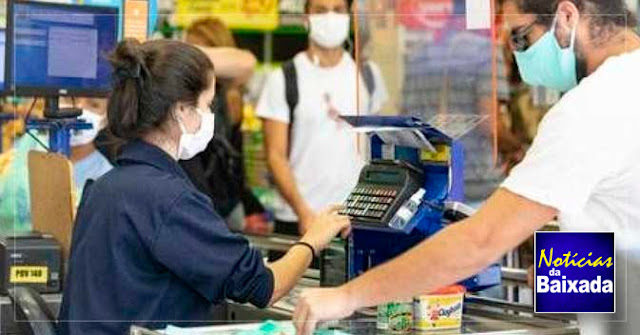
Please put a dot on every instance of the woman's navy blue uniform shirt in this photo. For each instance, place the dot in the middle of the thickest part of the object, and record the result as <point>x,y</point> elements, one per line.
<point>148,249</point>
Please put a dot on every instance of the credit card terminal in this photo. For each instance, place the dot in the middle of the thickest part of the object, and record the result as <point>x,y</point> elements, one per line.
<point>382,188</point>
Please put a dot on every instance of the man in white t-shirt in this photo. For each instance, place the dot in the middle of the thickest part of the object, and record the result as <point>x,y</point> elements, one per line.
<point>583,167</point>
<point>312,154</point>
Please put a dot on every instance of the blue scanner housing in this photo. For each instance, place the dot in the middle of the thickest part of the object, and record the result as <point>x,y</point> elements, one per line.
<point>408,140</point>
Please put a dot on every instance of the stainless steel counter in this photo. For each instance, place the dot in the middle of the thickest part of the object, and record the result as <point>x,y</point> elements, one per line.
<point>247,319</point>
<point>481,316</point>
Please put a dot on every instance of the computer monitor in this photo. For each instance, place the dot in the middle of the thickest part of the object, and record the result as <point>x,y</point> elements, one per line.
<point>59,49</point>
<point>2,49</point>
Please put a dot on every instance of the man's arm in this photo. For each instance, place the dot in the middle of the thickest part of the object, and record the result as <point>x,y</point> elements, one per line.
<point>457,252</point>
<point>277,148</point>
<point>231,63</point>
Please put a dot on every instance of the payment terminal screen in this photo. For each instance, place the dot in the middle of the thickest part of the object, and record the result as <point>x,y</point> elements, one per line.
<point>63,47</point>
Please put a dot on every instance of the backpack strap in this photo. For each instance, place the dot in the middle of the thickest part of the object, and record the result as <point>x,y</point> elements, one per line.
<point>369,82</point>
<point>367,76</point>
<point>291,92</point>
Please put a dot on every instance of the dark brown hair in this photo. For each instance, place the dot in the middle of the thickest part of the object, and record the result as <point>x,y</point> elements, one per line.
<point>604,14</point>
<point>307,5</point>
<point>149,79</point>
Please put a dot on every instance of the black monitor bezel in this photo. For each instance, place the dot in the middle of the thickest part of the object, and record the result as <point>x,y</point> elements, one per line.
<point>48,91</point>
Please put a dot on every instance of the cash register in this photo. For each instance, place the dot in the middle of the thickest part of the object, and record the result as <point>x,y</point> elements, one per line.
<point>407,155</point>
<point>383,187</point>
<point>32,260</point>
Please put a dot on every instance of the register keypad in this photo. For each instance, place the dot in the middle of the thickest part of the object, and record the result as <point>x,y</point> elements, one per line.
<point>369,202</point>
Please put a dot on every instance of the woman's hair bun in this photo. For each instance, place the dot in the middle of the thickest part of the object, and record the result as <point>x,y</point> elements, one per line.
<point>128,60</point>
<point>150,79</point>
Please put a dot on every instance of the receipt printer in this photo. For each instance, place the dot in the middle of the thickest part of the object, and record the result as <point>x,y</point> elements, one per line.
<point>411,163</point>
<point>33,260</point>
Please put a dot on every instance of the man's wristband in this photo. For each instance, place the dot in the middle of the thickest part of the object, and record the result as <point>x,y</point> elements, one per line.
<point>313,250</point>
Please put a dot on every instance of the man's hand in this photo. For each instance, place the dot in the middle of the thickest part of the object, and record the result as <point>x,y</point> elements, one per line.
<point>437,261</point>
<point>319,305</point>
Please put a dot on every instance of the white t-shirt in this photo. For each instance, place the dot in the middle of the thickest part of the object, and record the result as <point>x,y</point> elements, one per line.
<point>324,154</point>
<point>585,159</point>
<point>585,162</point>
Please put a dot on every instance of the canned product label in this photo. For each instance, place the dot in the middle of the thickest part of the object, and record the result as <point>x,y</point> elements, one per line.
<point>395,316</point>
<point>438,311</point>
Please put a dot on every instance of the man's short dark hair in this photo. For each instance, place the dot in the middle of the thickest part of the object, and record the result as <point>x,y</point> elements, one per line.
<point>307,3</point>
<point>604,14</point>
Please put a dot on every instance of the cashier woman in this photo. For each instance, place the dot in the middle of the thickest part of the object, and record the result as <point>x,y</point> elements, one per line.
<point>147,247</point>
<point>583,167</point>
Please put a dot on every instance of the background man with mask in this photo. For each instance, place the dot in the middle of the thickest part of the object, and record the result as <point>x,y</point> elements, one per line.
<point>583,167</point>
<point>88,162</point>
<point>314,159</point>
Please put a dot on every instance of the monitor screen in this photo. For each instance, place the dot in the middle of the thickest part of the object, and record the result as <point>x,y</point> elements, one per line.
<point>2,48</point>
<point>60,49</point>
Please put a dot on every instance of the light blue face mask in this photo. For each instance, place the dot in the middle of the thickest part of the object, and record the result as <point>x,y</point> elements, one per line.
<point>546,63</point>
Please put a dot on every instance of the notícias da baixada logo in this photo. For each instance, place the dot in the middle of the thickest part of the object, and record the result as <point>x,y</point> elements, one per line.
<point>557,282</point>
<point>574,272</point>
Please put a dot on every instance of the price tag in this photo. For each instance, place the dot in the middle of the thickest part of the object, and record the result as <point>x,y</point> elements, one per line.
<point>29,275</point>
<point>136,19</point>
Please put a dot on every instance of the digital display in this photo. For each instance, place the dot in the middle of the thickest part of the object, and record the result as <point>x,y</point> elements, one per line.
<point>385,177</point>
<point>62,47</point>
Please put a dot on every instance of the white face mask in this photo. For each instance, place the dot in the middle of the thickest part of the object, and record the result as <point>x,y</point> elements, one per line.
<point>193,144</point>
<point>86,136</point>
<point>329,30</point>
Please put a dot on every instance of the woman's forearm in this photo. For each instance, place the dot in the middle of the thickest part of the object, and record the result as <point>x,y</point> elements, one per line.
<point>288,270</point>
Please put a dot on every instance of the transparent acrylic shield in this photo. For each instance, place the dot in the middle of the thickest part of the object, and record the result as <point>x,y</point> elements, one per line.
<point>438,61</point>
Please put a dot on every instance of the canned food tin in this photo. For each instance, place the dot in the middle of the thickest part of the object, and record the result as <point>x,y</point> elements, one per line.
<point>395,316</point>
<point>439,310</point>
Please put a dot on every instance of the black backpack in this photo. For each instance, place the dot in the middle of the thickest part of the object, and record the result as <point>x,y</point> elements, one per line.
<point>292,93</point>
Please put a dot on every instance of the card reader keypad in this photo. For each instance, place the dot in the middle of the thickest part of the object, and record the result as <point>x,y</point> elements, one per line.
<point>369,202</point>
<point>383,186</point>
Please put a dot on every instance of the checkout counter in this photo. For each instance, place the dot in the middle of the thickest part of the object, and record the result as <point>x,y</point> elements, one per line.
<point>410,161</point>
<point>408,157</point>
<point>481,315</point>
